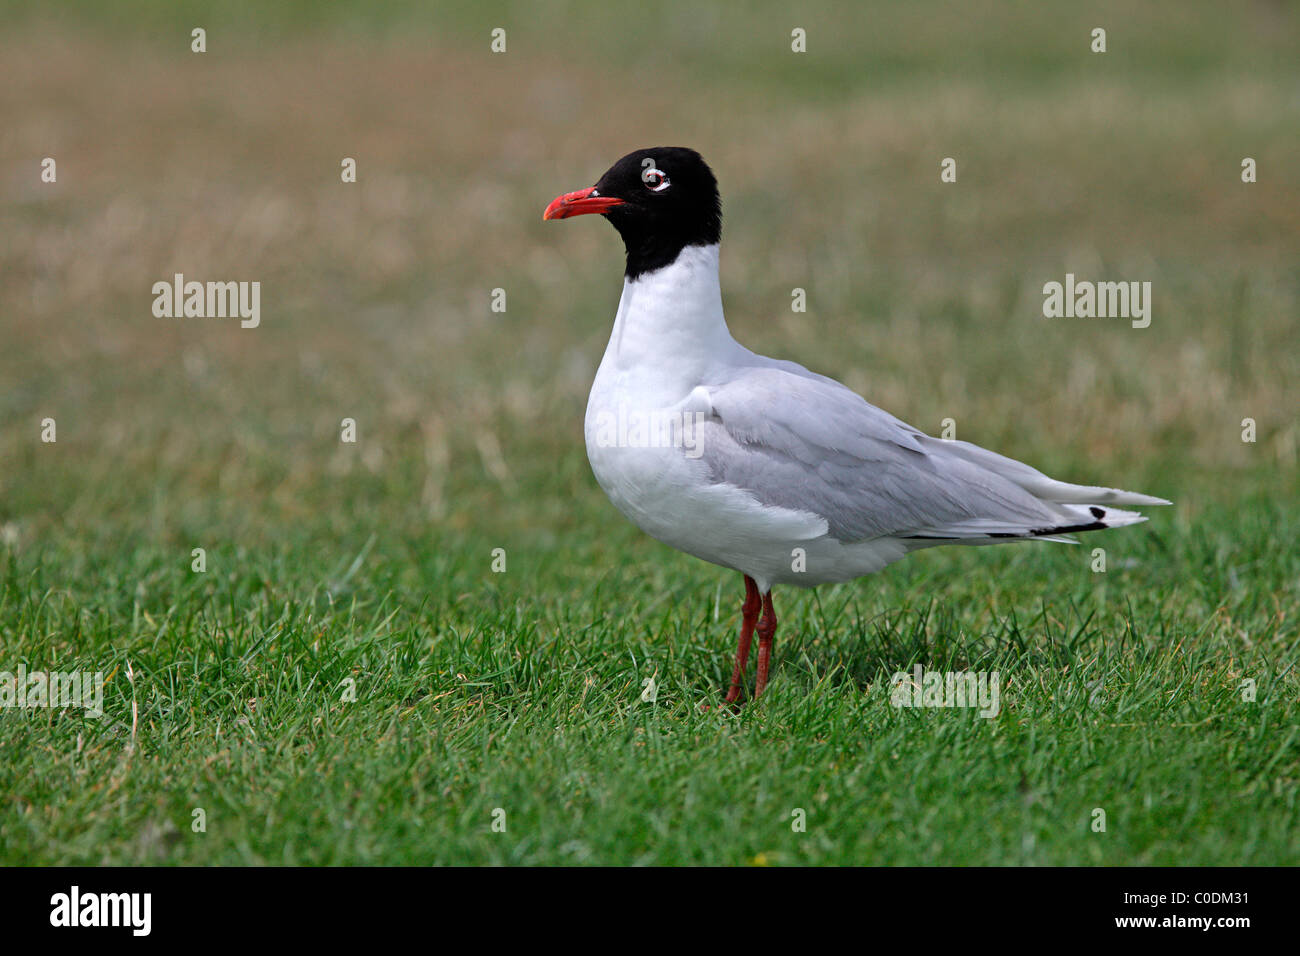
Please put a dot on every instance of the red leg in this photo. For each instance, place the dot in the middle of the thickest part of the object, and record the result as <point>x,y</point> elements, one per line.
<point>748,618</point>
<point>766,635</point>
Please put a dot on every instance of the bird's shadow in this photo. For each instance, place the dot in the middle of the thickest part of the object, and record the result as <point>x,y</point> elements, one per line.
<point>841,646</point>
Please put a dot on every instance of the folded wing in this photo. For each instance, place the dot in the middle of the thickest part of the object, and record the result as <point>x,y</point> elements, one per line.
<point>797,440</point>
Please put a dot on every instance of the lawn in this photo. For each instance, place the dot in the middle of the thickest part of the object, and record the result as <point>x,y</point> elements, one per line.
<point>354,678</point>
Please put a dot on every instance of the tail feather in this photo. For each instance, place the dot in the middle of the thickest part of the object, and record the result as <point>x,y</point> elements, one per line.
<point>1079,507</point>
<point>1044,488</point>
<point>1090,518</point>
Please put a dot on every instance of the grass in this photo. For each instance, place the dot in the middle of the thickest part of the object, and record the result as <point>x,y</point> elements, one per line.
<point>475,691</point>
<point>525,696</point>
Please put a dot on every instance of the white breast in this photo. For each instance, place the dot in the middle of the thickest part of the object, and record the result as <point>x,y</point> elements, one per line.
<point>668,337</point>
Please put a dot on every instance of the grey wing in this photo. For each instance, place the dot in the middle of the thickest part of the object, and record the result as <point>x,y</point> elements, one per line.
<point>799,441</point>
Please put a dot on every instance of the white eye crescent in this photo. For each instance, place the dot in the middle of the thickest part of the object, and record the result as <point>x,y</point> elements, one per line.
<point>656,180</point>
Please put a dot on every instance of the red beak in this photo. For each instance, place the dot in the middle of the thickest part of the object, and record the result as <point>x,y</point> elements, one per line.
<point>579,203</point>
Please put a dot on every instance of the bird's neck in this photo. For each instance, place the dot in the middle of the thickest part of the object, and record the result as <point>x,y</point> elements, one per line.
<point>671,318</point>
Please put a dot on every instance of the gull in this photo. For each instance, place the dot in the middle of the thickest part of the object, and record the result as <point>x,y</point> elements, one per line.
<point>757,464</point>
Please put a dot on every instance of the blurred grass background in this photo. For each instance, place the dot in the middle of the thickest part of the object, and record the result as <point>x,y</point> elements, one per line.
<point>926,297</point>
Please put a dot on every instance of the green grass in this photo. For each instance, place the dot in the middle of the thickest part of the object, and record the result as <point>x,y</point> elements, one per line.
<point>521,691</point>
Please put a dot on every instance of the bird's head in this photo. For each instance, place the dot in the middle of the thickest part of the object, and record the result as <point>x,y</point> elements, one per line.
<point>660,200</point>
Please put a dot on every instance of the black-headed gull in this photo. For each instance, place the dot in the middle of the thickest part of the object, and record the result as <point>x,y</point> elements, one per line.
<point>758,464</point>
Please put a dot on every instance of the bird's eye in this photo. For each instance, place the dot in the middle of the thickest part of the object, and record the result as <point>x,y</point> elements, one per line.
<point>656,180</point>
